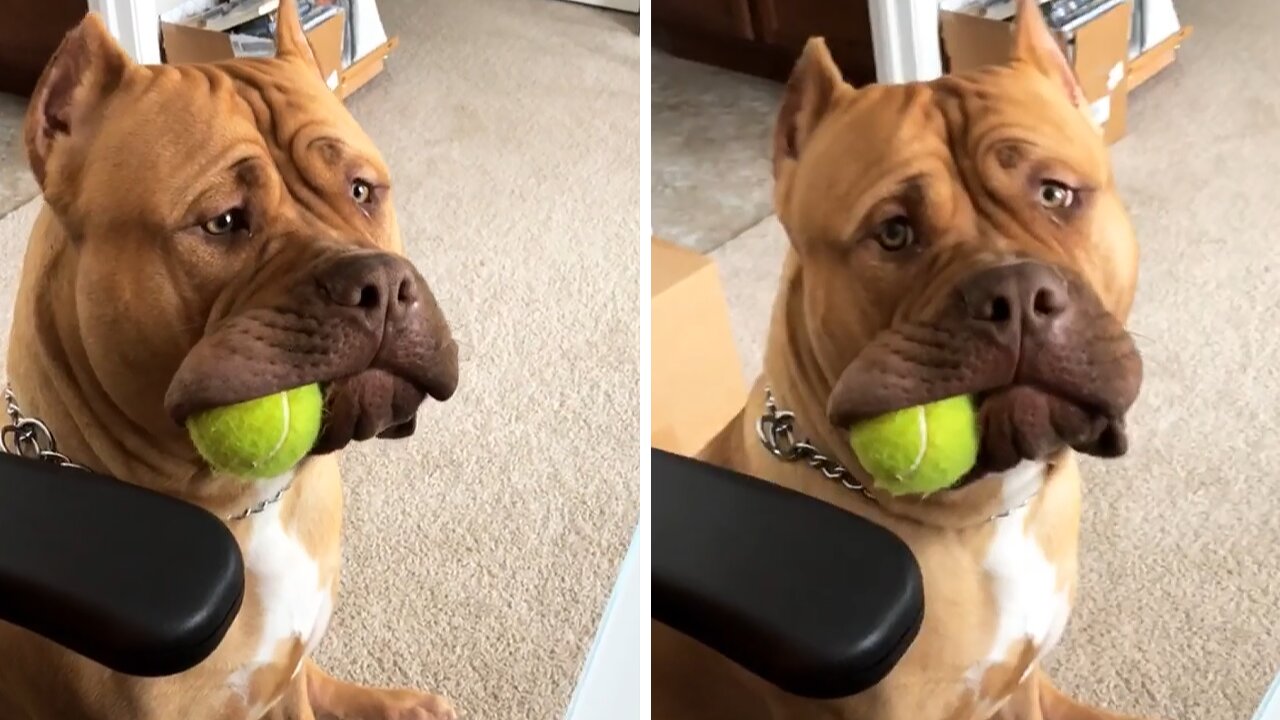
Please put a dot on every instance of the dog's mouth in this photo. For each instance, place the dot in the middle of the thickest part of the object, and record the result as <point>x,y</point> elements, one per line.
<point>378,345</point>
<point>1036,390</point>
<point>379,400</point>
<point>363,398</point>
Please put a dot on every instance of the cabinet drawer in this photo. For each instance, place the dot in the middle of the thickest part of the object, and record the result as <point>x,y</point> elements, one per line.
<point>721,18</point>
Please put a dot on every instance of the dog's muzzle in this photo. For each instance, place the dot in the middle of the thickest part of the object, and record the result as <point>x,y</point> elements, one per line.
<point>1047,363</point>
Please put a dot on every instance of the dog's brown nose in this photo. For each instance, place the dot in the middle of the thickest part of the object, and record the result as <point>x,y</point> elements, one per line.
<point>381,286</point>
<point>1023,297</point>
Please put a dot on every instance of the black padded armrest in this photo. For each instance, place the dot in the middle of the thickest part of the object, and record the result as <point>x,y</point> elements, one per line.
<point>138,581</point>
<point>818,601</point>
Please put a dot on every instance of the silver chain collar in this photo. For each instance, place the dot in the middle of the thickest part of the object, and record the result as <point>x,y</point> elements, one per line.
<point>262,505</point>
<point>776,430</point>
<point>30,438</point>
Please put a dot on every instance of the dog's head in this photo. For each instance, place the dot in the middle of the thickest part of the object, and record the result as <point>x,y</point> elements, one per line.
<point>230,233</point>
<point>963,236</point>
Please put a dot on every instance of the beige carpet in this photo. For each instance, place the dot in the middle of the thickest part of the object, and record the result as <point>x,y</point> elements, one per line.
<point>1177,616</point>
<point>711,143</point>
<point>17,185</point>
<point>481,552</point>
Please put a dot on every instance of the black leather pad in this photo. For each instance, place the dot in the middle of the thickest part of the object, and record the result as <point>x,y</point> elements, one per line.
<point>141,582</point>
<point>814,599</point>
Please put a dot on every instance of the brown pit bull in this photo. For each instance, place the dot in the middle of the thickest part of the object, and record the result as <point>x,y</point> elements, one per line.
<point>214,233</point>
<point>961,236</point>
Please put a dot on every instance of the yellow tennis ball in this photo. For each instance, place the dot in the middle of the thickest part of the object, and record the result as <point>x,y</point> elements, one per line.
<point>921,449</point>
<point>261,438</point>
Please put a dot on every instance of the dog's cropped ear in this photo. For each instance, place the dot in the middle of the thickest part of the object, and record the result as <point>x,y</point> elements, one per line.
<point>291,41</point>
<point>1035,45</point>
<point>85,70</point>
<point>809,95</point>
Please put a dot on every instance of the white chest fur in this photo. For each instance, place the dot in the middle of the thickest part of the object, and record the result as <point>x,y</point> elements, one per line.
<point>1030,602</point>
<point>287,591</point>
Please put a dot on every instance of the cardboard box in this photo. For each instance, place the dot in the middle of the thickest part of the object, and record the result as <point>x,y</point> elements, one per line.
<point>1098,49</point>
<point>697,380</point>
<point>181,43</point>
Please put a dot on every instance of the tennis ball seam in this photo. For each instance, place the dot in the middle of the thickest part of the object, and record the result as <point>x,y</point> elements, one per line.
<point>284,431</point>
<point>922,424</point>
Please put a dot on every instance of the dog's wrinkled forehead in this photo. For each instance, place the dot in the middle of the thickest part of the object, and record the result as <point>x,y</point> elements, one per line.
<point>844,142</point>
<point>256,116</point>
<point>94,106</point>
<point>957,131</point>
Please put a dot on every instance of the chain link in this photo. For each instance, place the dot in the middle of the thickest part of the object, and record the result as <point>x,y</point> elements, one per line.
<point>776,430</point>
<point>30,438</point>
<point>263,505</point>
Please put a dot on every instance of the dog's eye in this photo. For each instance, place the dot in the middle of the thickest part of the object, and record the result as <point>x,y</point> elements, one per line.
<point>233,220</point>
<point>1055,196</point>
<point>361,191</point>
<point>895,234</point>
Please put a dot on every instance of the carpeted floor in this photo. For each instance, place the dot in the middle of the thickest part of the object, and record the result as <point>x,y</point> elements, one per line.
<point>17,185</point>
<point>1177,615</point>
<point>481,552</point>
<point>711,134</point>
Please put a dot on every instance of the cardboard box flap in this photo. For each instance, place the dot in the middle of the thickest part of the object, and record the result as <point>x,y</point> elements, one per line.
<point>698,386</point>
<point>971,41</point>
<point>671,264</point>
<point>185,44</point>
<point>326,41</point>
<point>1097,46</point>
<point>1102,52</point>
<point>1098,49</point>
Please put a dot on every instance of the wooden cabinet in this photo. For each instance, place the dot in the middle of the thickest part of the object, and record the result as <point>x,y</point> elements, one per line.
<point>791,22</point>
<point>727,18</point>
<point>764,37</point>
<point>29,35</point>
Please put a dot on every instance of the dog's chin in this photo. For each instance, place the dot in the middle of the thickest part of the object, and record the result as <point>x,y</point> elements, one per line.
<point>373,403</point>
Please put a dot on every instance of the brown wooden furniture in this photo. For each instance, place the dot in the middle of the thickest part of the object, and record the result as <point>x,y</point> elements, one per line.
<point>29,35</point>
<point>765,37</point>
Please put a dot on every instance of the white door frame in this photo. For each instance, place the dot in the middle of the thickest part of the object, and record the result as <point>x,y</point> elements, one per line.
<point>906,39</point>
<point>135,24</point>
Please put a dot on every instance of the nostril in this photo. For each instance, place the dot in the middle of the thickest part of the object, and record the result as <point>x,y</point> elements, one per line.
<point>369,297</point>
<point>998,310</point>
<point>405,294</point>
<point>1046,303</point>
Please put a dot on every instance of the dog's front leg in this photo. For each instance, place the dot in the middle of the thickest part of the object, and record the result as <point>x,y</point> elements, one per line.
<point>1037,699</point>
<point>333,699</point>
